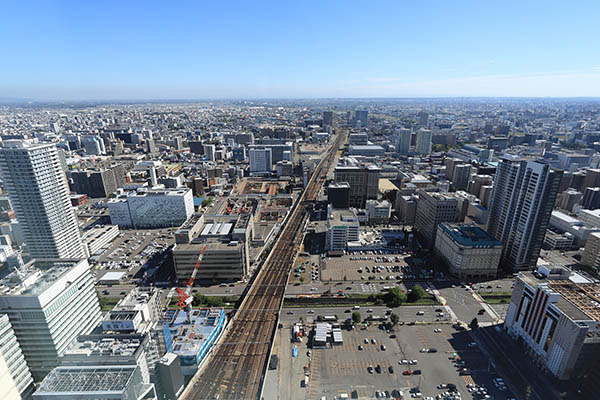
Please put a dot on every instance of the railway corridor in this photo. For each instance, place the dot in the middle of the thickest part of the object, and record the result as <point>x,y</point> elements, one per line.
<point>237,366</point>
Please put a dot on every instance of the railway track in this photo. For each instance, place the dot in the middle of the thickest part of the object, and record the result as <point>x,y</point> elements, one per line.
<point>237,367</point>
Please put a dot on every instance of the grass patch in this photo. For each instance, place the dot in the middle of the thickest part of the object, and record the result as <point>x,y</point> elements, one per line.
<point>496,297</point>
<point>108,303</point>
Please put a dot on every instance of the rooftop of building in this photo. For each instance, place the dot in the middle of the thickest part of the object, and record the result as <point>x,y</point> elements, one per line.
<point>469,235</point>
<point>189,337</point>
<point>211,244</point>
<point>343,217</point>
<point>105,345</point>
<point>339,185</point>
<point>35,277</point>
<point>579,296</point>
<point>104,379</point>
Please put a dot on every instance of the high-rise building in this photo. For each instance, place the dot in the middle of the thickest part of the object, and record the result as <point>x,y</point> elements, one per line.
<point>209,151</point>
<point>11,352</point>
<point>568,199</point>
<point>260,160</point>
<point>362,116</point>
<point>403,141</point>
<point>363,181</point>
<point>38,191</point>
<point>433,208</point>
<point>423,144</point>
<point>461,176</point>
<point>49,303</point>
<point>98,183</point>
<point>521,204</point>
<point>591,252</point>
<point>591,198</point>
<point>423,119</point>
<point>327,118</point>
<point>342,228</point>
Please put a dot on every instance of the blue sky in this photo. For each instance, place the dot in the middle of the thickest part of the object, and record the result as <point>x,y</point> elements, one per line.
<point>217,49</point>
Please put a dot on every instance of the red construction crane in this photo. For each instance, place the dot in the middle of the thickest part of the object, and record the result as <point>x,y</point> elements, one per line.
<point>184,296</point>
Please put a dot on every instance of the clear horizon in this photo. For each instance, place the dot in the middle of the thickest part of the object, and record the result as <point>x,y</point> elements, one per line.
<point>72,51</point>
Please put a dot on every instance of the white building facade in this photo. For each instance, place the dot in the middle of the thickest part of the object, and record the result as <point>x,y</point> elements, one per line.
<point>49,303</point>
<point>38,191</point>
<point>261,160</point>
<point>11,352</point>
<point>153,208</point>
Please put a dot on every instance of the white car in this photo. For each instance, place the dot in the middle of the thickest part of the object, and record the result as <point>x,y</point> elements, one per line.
<point>437,330</point>
<point>412,362</point>
<point>415,395</point>
<point>403,362</point>
<point>423,350</point>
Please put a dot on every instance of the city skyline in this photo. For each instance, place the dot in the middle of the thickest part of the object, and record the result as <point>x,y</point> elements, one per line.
<point>201,51</point>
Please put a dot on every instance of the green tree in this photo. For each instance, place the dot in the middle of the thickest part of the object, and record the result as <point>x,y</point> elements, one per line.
<point>214,301</point>
<point>345,278</point>
<point>474,324</point>
<point>394,319</point>
<point>356,317</point>
<point>395,297</point>
<point>416,294</point>
<point>528,392</point>
<point>199,299</point>
<point>301,279</point>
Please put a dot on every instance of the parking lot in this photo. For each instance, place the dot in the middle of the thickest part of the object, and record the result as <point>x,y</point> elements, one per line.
<point>345,369</point>
<point>357,267</point>
<point>130,250</point>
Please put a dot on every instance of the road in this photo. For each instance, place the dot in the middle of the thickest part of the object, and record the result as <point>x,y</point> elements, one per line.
<point>499,345</point>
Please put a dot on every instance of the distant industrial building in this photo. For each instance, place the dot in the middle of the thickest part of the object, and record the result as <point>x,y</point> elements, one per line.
<point>152,208</point>
<point>555,312</point>
<point>61,296</point>
<point>471,252</point>
<point>342,228</point>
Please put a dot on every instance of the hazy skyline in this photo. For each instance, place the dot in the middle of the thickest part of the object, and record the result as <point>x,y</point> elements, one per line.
<point>112,50</point>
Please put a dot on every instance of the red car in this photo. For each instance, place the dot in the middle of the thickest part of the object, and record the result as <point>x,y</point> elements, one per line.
<point>407,373</point>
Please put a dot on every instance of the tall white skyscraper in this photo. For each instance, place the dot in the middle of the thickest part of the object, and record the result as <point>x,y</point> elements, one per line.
<point>521,204</point>
<point>423,144</point>
<point>38,191</point>
<point>261,160</point>
<point>403,141</point>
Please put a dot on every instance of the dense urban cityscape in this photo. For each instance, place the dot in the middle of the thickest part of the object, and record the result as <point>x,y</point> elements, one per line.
<point>300,249</point>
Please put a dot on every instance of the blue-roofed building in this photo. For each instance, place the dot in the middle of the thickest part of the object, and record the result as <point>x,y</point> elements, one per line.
<point>471,252</point>
<point>192,336</point>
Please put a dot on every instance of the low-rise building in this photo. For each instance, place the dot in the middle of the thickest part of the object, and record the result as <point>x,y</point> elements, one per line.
<point>558,241</point>
<point>379,210</point>
<point>123,382</point>
<point>97,238</point>
<point>152,208</point>
<point>555,312</point>
<point>470,252</point>
<point>221,261</point>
